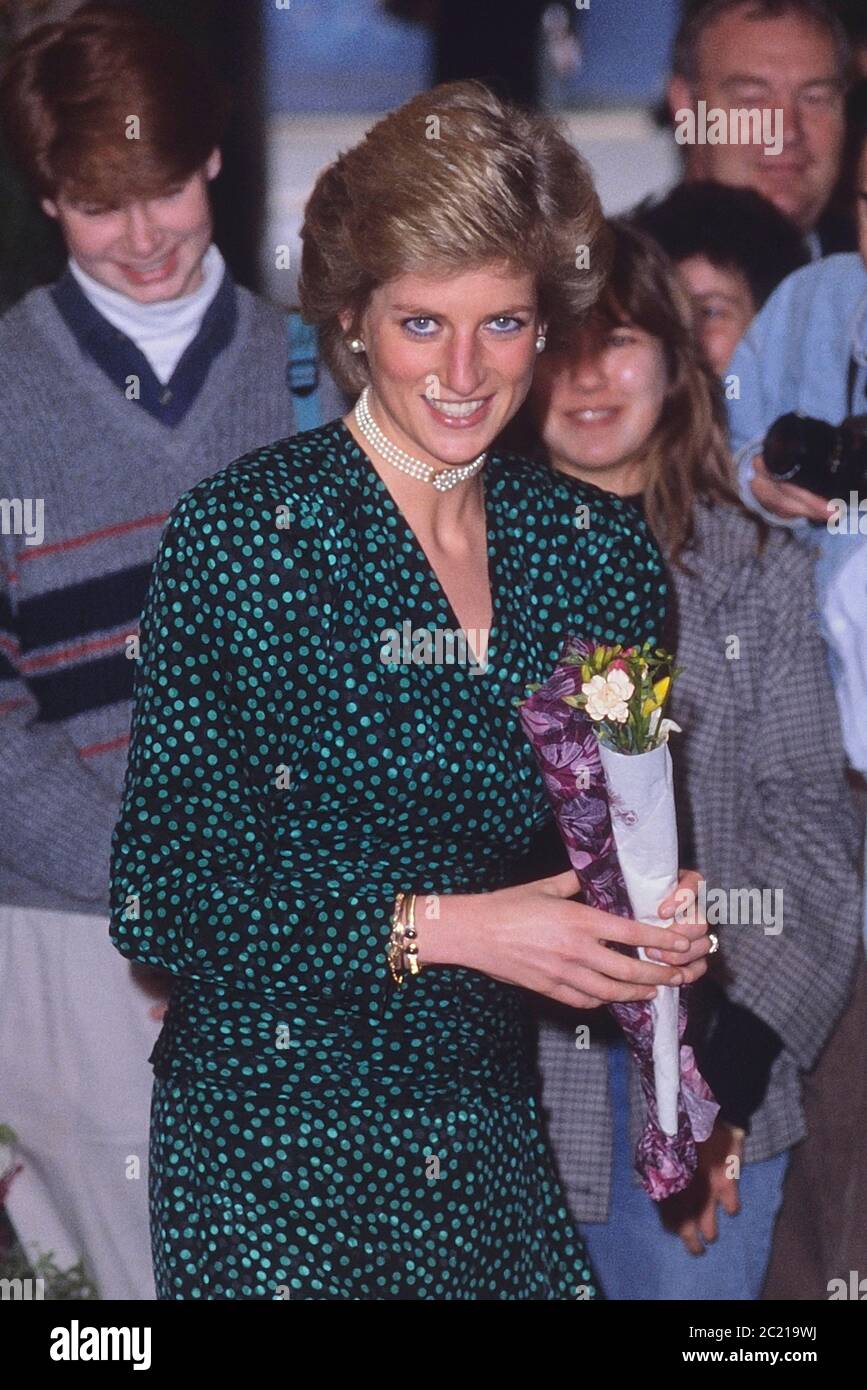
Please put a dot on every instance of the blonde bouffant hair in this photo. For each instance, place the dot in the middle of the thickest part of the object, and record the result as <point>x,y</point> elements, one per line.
<point>453,180</point>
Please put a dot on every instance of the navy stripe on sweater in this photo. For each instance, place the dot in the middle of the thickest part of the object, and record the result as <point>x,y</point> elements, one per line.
<point>8,641</point>
<point>76,610</point>
<point>78,689</point>
<point>68,644</point>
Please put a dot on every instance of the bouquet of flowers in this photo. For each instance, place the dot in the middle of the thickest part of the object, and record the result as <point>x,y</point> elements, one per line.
<point>600,735</point>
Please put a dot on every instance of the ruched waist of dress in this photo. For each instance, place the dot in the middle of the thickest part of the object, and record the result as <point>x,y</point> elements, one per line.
<point>456,1032</point>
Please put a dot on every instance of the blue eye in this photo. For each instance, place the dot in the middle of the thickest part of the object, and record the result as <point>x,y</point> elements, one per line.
<point>424,325</point>
<point>419,332</point>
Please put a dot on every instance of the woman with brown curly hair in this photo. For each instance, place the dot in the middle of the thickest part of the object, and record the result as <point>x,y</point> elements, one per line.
<point>632,406</point>
<point>328,785</point>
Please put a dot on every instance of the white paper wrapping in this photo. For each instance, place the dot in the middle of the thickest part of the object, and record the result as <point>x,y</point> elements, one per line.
<point>644,822</point>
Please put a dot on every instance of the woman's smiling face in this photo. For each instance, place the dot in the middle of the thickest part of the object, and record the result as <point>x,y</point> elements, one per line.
<point>597,404</point>
<point>450,358</point>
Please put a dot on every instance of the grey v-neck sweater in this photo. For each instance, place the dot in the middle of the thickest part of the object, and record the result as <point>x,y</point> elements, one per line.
<point>106,474</point>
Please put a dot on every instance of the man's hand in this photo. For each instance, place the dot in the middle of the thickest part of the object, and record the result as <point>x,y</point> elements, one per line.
<point>787,499</point>
<point>691,1214</point>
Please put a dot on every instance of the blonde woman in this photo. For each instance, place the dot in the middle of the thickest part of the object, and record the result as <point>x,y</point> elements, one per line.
<point>329,1120</point>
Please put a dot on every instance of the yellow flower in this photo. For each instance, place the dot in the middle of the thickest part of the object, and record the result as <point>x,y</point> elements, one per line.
<point>660,690</point>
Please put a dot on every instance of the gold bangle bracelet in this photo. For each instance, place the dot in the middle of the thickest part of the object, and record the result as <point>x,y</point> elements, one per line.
<point>411,935</point>
<point>402,951</point>
<point>394,951</point>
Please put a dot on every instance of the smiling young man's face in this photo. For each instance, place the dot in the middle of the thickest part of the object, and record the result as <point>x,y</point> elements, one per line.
<point>150,249</point>
<point>450,358</point>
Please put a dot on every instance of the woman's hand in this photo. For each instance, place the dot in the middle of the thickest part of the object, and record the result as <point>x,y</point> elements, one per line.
<point>534,936</point>
<point>692,1214</point>
<point>688,883</point>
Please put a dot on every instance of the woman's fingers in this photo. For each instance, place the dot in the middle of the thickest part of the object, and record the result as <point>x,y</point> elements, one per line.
<point>694,931</point>
<point>579,998</point>
<point>694,972</point>
<point>614,965</point>
<point>604,991</point>
<point>628,994</point>
<point>697,949</point>
<point>606,927</point>
<point>690,971</point>
<point>585,970</point>
<point>685,894</point>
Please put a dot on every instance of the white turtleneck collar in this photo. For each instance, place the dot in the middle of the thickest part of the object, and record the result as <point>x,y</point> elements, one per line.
<point>164,330</point>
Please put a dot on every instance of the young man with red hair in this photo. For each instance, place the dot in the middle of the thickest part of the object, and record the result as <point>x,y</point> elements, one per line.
<point>143,369</point>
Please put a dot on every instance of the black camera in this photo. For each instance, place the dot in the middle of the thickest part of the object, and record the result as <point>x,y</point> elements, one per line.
<point>830,460</point>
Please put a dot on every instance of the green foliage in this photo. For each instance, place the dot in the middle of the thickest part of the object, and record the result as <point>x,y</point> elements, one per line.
<point>61,1285</point>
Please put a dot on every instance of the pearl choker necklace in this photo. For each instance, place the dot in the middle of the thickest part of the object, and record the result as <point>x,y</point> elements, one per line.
<point>442,480</point>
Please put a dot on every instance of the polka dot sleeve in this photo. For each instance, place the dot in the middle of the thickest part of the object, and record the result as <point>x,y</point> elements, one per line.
<point>207,881</point>
<point>623,589</point>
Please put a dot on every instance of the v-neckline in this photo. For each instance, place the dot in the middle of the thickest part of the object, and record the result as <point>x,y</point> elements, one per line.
<point>139,421</point>
<point>411,540</point>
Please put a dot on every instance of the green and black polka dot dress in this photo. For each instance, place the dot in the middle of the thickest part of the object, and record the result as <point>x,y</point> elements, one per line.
<point>317,1133</point>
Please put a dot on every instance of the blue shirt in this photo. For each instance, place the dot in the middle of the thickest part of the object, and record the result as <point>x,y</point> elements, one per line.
<point>795,356</point>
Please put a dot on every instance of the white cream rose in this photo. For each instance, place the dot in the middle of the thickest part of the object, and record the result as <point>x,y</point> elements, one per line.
<point>607,696</point>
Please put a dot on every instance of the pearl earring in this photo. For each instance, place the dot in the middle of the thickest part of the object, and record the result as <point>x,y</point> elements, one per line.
<point>540,342</point>
<point>356,345</point>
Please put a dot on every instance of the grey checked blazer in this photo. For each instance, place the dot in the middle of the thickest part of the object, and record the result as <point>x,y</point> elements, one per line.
<point>760,776</point>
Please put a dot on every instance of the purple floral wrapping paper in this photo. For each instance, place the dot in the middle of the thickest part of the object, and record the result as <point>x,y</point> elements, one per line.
<point>565,743</point>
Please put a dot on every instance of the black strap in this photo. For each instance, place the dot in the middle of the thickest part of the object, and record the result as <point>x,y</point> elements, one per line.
<point>851,374</point>
<point>302,371</point>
